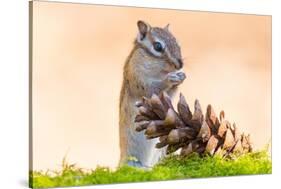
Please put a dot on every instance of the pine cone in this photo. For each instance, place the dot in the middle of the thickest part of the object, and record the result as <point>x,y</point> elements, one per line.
<point>190,132</point>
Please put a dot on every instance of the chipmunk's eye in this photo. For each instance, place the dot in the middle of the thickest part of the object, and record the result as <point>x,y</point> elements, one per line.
<point>158,47</point>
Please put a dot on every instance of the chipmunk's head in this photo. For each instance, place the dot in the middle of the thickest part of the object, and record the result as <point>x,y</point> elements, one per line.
<point>160,43</point>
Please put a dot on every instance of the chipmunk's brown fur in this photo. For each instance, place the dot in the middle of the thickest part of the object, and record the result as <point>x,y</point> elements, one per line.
<point>152,66</point>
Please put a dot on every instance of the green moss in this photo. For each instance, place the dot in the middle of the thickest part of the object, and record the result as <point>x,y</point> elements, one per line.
<point>172,167</point>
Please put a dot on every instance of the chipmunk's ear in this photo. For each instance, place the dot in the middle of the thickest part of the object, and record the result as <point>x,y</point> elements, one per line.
<point>167,27</point>
<point>143,28</point>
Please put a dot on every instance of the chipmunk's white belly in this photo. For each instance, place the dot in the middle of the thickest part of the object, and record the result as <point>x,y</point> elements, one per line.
<point>141,148</point>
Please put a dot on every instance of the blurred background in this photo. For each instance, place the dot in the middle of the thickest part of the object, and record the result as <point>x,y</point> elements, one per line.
<point>78,54</point>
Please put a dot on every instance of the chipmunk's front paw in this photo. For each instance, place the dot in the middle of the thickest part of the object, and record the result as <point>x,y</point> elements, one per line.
<point>176,78</point>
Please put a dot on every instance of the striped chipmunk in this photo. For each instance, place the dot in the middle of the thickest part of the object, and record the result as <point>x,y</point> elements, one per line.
<point>153,66</point>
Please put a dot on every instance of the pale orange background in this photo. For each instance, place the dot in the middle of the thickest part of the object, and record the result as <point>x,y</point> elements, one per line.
<point>79,51</point>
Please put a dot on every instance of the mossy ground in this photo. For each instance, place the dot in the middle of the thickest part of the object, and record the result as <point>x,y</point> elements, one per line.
<point>172,167</point>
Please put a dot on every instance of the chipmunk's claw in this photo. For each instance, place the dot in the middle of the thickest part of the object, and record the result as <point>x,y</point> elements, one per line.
<point>176,78</point>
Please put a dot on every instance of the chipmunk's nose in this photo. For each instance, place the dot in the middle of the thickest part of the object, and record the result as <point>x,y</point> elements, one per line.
<point>178,63</point>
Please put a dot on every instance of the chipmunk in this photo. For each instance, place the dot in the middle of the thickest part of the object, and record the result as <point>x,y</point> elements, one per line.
<point>154,65</point>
